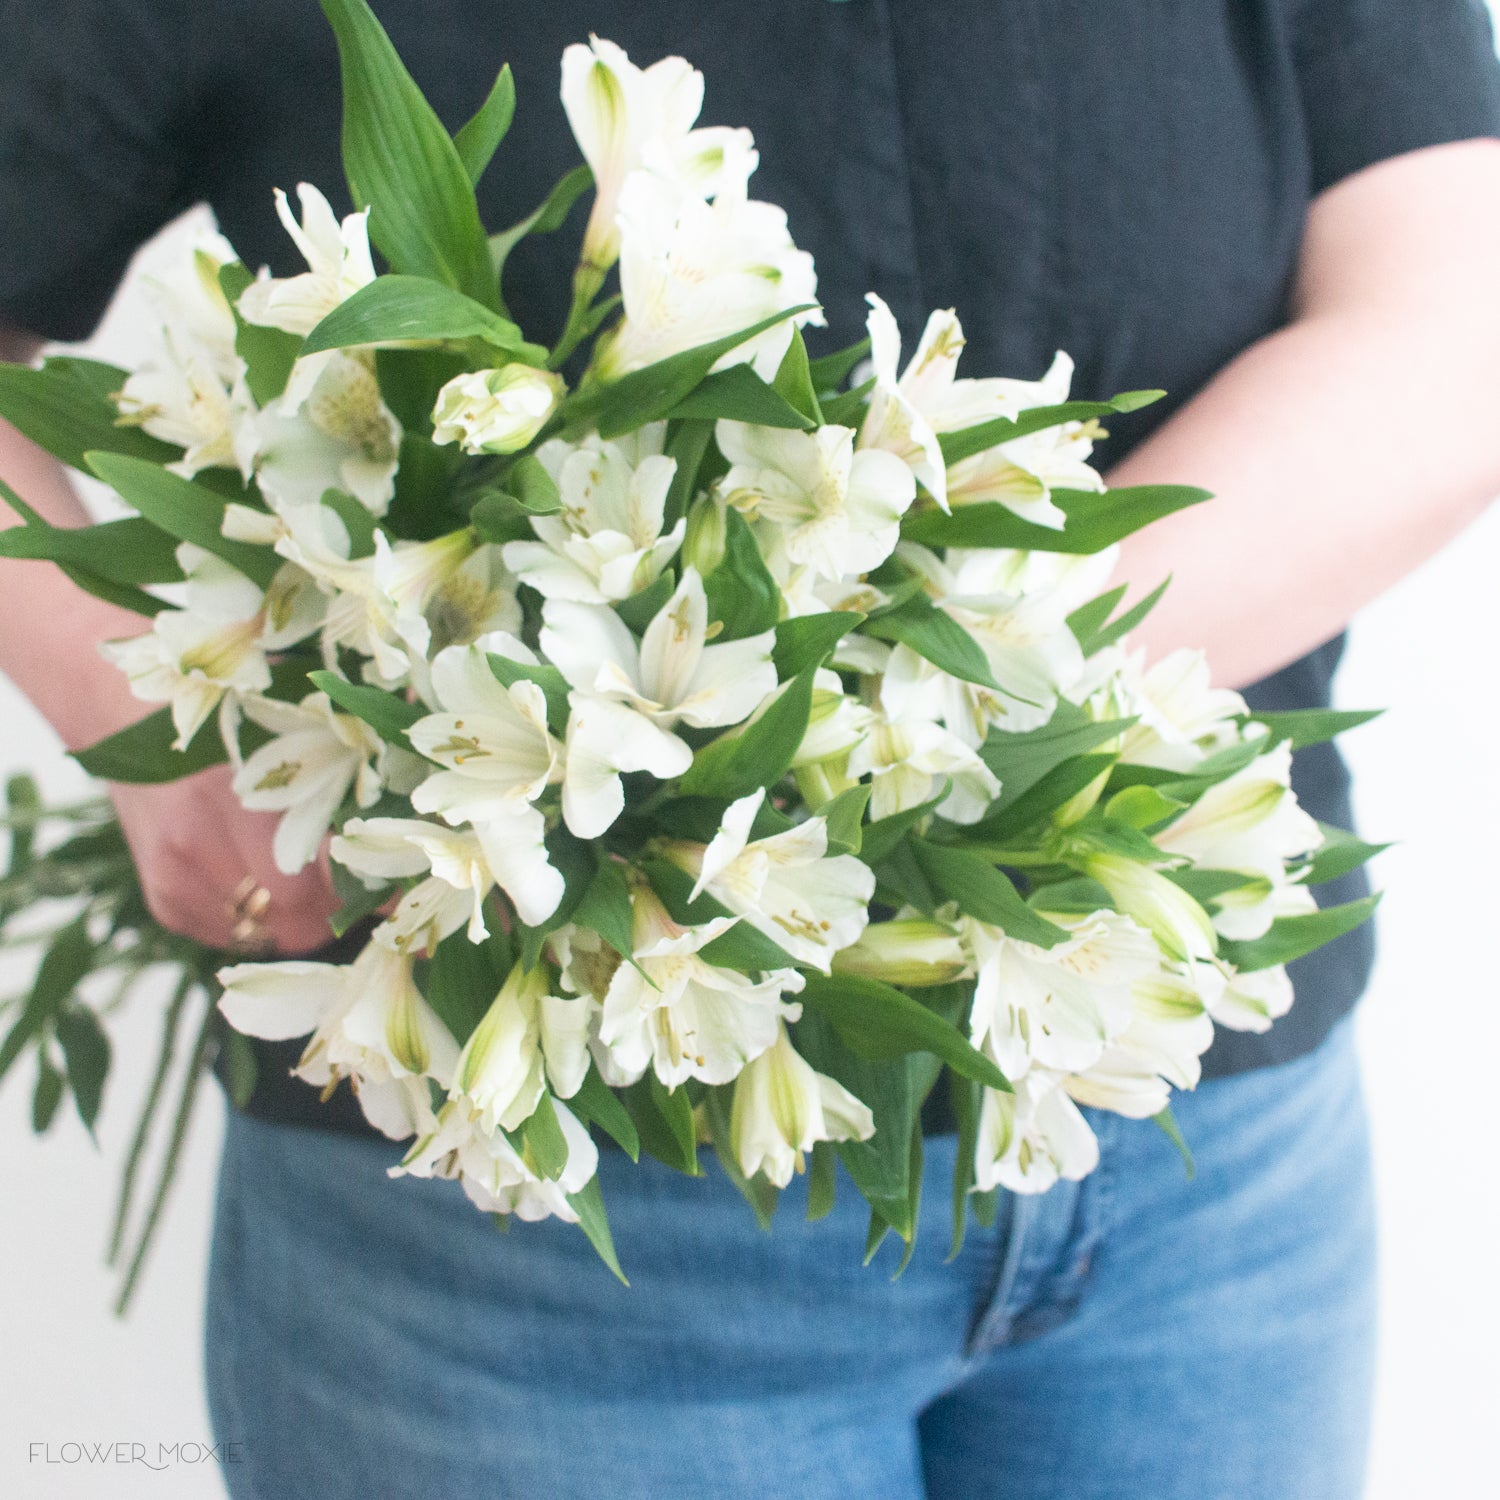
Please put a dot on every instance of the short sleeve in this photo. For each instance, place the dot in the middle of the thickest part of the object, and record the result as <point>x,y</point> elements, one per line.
<point>95,141</point>
<point>1383,77</point>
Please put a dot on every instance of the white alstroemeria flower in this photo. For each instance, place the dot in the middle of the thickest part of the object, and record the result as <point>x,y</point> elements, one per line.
<point>1249,1001</point>
<point>692,272</point>
<point>786,886</point>
<point>1182,927</point>
<point>495,411</point>
<point>907,413</point>
<point>1057,1008</point>
<point>1032,654</point>
<point>501,1072</point>
<point>491,739</point>
<point>1031,1138</point>
<point>216,644</point>
<point>189,303</point>
<point>370,1024</point>
<point>494,1176</point>
<point>627,699</point>
<point>813,498</point>
<point>330,429</point>
<point>180,397</point>
<point>462,866</point>
<point>1171,1028</point>
<point>673,1011</point>
<point>606,543</point>
<point>1022,473</point>
<point>910,950</point>
<point>624,118</point>
<point>1182,717</point>
<point>306,771</point>
<point>908,760</point>
<point>338,261</point>
<point>1249,822</point>
<point>782,1108</point>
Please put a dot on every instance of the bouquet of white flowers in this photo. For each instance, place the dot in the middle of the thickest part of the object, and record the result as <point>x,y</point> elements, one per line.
<point>732,745</point>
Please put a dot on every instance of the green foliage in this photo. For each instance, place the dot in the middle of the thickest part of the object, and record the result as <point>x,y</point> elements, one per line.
<point>387,714</point>
<point>738,394</point>
<point>758,755</point>
<point>142,753</point>
<point>968,441</point>
<point>741,593</point>
<point>1094,521</point>
<point>982,892</point>
<point>403,165</point>
<point>1291,937</point>
<point>65,407</point>
<point>395,309</point>
<point>479,139</point>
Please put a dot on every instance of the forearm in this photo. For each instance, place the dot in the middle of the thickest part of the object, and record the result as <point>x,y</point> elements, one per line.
<point>1351,445</point>
<point>50,628</point>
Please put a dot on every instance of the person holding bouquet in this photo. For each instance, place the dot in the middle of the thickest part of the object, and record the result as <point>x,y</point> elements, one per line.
<point>1287,213</point>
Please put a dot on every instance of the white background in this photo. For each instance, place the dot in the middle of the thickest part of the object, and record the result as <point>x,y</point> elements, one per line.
<point>1429,1030</point>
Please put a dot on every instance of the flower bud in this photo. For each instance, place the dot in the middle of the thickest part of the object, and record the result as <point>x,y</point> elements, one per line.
<point>914,951</point>
<point>495,411</point>
<point>703,546</point>
<point>1177,921</point>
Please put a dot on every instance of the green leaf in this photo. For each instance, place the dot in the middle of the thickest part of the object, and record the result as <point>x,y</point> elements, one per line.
<point>982,892</point>
<point>358,900</point>
<point>650,394</point>
<point>241,1067</point>
<point>879,1167</point>
<point>1094,521</point>
<point>605,906</point>
<point>641,608</point>
<point>758,755</point>
<point>65,407</point>
<point>794,381</point>
<point>1341,854</point>
<point>142,753</point>
<point>880,838</point>
<point>597,1104</point>
<point>573,859</point>
<point>741,593</point>
<point>879,1022</point>
<point>806,641</point>
<point>553,684</point>
<point>462,979</point>
<point>479,139</point>
<point>1312,726</point>
<point>687,445</point>
<point>1291,937</point>
<point>762,1196</point>
<point>968,441</point>
<point>664,1118</point>
<point>387,714</point>
<point>1043,798</point>
<point>394,309</point>
<point>401,162</point>
<point>937,637</point>
<point>1094,630</point>
<point>47,1094</point>
<point>534,488</point>
<point>830,372</point>
<point>1142,807</point>
<point>741,947</point>
<point>738,394</point>
<point>845,819</point>
<point>822,1180</point>
<point>183,509</point>
<point>269,353</point>
<point>964,1100</point>
<point>86,1052</point>
<point>546,1147</point>
<point>848,410</point>
<point>546,218</point>
<point>1166,1122</point>
<point>588,1204</point>
<point>131,551</point>
<point>68,959</point>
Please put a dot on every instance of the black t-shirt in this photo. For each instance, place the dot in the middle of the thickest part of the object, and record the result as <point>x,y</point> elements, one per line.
<point>1128,182</point>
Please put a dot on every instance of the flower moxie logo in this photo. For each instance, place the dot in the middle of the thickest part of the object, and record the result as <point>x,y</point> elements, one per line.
<point>122,1454</point>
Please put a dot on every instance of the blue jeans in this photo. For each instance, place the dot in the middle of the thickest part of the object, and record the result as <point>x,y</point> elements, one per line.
<point>1135,1336</point>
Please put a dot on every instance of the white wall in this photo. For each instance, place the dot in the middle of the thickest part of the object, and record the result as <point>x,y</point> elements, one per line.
<point>1429,1029</point>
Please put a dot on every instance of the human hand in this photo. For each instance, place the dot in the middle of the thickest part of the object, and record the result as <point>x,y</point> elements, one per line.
<point>202,859</point>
